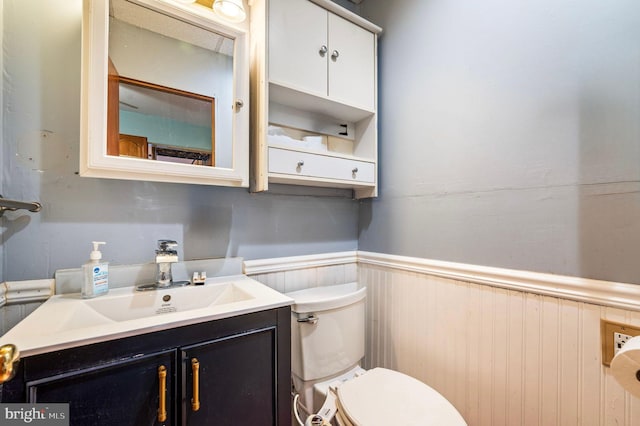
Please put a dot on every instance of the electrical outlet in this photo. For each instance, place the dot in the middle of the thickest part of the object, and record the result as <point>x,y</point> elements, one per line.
<point>614,336</point>
<point>619,340</point>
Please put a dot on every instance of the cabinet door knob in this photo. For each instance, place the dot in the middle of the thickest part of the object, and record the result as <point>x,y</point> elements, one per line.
<point>323,50</point>
<point>355,170</point>
<point>162,396</point>
<point>9,356</point>
<point>335,54</point>
<point>300,163</point>
<point>195,399</point>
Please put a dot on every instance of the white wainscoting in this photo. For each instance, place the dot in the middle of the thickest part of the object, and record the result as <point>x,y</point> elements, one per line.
<point>502,356</point>
<point>287,274</point>
<point>19,298</point>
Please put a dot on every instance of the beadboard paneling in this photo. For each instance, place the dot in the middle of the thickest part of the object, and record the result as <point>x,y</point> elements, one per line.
<point>300,272</point>
<point>10,315</point>
<point>19,298</point>
<point>502,357</point>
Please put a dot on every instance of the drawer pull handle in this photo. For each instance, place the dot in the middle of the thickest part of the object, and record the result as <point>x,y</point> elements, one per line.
<point>162,405</point>
<point>300,163</point>
<point>195,400</point>
<point>323,50</point>
<point>355,170</point>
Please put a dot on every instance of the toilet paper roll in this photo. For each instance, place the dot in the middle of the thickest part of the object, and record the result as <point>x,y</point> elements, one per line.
<point>625,366</point>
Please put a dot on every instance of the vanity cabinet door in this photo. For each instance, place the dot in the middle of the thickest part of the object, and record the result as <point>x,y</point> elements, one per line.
<point>123,393</point>
<point>231,381</point>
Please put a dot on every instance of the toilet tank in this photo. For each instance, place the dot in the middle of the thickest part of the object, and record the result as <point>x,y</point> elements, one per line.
<point>333,343</point>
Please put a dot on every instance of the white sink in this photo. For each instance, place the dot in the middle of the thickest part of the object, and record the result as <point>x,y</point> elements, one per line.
<point>67,320</point>
<point>141,304</point>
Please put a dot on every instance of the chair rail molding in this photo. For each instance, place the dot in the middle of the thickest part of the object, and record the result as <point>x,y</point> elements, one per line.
<point>604,293</point>
<point>281,264</point>
<point>18,292</point>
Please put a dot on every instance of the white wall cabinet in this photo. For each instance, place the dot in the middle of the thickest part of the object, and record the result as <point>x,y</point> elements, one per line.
<point>319,52</point>
<point>313,73</point>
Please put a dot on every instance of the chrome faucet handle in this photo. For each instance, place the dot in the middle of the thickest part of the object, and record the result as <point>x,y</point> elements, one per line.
<point>167,245</point>
<point>166,252</point>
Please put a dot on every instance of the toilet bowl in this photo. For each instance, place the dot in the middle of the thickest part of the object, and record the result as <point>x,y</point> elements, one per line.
<point>327,345</point>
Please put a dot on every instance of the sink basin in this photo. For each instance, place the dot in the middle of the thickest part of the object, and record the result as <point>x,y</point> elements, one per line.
<point>129,306</point>
<point>67,320</point>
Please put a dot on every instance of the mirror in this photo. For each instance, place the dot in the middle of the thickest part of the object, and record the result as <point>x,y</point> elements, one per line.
<point>165,90</point>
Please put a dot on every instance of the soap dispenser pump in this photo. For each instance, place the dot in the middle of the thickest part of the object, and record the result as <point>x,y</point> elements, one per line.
<point>95,273</point>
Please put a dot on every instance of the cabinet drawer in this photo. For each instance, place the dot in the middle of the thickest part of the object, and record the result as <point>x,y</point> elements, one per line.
<point>321,166</point>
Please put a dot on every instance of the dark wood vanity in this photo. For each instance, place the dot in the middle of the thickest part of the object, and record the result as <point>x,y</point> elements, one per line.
<point>233,371</point>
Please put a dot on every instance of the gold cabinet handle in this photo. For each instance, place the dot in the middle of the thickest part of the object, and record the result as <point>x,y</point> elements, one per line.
<point>195,400</point>
<point>162,405</point>
<point>9,356</point>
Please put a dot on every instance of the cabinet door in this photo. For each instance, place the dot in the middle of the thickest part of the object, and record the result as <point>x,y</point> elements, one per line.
<point>231,381</point>
<point>297,34</point>
<point>351,63</point>
<point>123,393</point>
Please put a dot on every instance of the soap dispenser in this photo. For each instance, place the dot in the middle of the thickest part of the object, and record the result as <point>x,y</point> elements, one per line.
<point>95,274</point>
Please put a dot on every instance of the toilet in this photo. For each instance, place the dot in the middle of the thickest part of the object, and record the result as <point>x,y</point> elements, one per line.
<point>327,345</point>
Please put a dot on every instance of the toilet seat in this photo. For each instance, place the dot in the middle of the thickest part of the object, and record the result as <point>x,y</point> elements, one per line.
<point>386,397</point>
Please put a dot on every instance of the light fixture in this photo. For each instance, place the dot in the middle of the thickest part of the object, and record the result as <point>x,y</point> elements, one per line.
<point>231,10</point>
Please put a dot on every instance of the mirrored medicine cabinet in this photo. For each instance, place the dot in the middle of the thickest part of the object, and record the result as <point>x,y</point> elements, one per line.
<point>165,93</point>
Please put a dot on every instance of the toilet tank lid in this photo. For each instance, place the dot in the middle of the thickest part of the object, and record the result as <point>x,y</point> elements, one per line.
<point>328,297</point>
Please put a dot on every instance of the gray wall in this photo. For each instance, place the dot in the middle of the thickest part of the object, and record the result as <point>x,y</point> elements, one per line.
<point>510,134</point>
<point>355,8</point>
<point>40,136</point>
<point>509,137</point>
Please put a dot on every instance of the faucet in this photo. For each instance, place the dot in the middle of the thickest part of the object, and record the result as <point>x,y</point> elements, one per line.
<point>165,256</point>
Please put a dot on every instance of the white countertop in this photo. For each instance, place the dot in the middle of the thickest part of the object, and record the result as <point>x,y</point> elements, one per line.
<point>67,320</point>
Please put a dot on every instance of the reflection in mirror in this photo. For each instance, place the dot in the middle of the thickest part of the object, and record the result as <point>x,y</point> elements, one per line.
<point>170,89</point>
<point>161,123</point>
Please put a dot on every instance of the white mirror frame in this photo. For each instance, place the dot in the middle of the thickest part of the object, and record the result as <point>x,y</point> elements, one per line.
<point>94,161</point>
